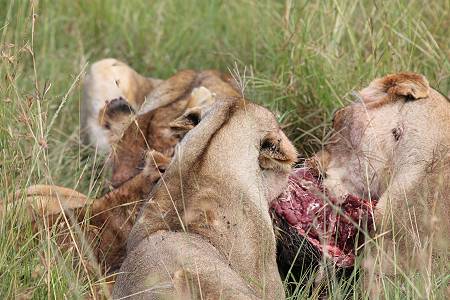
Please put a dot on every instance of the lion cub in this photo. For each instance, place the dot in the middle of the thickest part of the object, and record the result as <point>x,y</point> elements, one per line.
<point>394,146</point>
<point>117,120</point>
<point>185,93</point>
<point>112,92</point>
<point>106,221</point>
<point>206,233</point>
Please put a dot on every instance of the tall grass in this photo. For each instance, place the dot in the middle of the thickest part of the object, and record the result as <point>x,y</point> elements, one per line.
<point>302,60</point>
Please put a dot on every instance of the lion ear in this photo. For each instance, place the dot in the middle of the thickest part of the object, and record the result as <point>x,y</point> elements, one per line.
<point>201,96</point>
<point>410,85</point>
<point>277,152</point>
<point>115,113</point>
<point>187,121</point>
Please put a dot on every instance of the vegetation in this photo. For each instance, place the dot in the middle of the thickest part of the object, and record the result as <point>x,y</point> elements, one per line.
<point>300,58</point>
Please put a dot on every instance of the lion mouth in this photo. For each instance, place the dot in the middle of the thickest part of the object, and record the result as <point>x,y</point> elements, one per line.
<point>334,228</point>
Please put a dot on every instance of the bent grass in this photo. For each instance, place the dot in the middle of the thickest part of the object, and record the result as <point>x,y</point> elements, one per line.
<point>304,57</point>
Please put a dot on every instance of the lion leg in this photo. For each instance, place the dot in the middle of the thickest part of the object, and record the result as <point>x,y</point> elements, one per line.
<point>46,200</point>
<point>137,187</point>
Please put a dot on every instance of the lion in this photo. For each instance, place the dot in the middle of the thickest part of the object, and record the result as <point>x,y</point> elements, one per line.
<point>128,114</point>
<point>206,232</point>
<point>186,93</point>
<point>112,93</point>
<point>125,114</point>
<point>174,107</point>
<point>105,222</point>
<point>392,145</point>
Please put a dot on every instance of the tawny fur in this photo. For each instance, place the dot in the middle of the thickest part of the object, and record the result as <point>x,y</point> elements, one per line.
<point>387,89</point>
<point>106,80</point>
<point>137,166</point>
<point>394,145</point>
<point>106,221</point>
<point>152,128</point>
<point>131,114</point>
<point>215,195</point>
<point>113,214</point>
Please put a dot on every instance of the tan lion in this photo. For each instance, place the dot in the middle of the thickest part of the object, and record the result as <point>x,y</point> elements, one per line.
<point>206,233</point>
<point>393,145</point>
<point>136,164</point>
<point>106,221</point>
<point>183,93</point>
<point>125,114</point>
<point>112,92</point>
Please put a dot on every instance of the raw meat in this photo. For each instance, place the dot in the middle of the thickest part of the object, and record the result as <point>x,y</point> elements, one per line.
<point>334,228</point>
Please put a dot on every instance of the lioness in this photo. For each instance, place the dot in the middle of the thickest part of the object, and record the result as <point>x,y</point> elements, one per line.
<point>135,162</point>
<point>206,232</point>
<point>393,145</point>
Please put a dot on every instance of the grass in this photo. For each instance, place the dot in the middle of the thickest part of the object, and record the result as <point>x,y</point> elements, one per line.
<point>302,60</point>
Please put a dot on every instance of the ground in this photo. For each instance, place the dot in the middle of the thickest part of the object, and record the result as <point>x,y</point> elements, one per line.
<point>302,59</point>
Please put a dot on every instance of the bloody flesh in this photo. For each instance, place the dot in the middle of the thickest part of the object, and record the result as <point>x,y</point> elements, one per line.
<point>333,227</point>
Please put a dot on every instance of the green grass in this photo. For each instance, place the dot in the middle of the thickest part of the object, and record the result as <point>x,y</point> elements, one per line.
<point>302,60</point>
